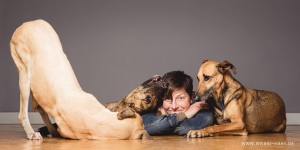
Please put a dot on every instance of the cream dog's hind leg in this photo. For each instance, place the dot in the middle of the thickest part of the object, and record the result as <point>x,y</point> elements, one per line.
<point>52,130</point>
<point>47,121</point>
<point>24,63</point>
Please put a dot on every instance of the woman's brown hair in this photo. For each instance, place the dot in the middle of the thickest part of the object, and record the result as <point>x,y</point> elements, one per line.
<point>177,80</point>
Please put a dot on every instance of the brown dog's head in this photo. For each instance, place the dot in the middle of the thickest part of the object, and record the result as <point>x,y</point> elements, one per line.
<point>211,76</point>
<point>147,96</point>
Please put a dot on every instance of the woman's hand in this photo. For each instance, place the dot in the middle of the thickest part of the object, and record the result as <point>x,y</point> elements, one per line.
<point>162,111</point>
<point>194,108</point>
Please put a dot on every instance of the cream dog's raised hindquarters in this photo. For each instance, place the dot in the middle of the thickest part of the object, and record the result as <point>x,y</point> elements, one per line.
<point>239,110</point>
<point>45,71</point>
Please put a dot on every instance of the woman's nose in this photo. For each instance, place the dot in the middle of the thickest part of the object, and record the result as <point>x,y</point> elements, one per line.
<point>174,105</point>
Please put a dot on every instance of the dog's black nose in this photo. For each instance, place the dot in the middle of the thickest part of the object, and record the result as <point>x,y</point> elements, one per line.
<point>197,98</point>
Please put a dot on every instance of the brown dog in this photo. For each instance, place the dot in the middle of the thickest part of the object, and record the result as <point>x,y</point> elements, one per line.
<point>45,71</point>
<point>239,110</point>
<point>142,99</point>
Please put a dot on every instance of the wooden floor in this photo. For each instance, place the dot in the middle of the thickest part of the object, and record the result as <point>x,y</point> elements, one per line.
<point>13,137</point>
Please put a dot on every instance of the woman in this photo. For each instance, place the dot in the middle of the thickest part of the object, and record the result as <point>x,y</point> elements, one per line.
<point>176,114</point>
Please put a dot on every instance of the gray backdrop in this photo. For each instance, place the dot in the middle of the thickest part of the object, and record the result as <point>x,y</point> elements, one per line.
<point>113,46</point>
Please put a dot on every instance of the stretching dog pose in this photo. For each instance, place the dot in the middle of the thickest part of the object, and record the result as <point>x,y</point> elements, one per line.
<point>45,71</point>
<point>239,110</point>
<point>143,99</point>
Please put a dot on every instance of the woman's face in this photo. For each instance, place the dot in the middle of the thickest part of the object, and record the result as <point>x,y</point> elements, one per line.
<point>180,102</point>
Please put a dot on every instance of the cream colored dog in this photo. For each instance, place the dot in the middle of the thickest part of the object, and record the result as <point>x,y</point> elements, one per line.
<point>239,110</point>
<point>45,71</point>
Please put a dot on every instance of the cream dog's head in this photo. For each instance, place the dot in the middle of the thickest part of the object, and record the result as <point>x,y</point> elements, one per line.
<point>211,76</point>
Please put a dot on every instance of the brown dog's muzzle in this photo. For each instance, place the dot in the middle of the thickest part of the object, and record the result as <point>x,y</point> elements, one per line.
<point>205,95</point>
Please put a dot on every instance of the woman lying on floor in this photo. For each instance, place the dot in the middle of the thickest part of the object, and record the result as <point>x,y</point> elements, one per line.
<point>177,114</point>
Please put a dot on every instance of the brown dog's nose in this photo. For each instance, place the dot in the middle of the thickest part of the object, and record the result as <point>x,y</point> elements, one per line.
<point>195,97</point>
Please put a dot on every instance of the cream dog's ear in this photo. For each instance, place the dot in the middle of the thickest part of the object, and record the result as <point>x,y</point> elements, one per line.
<point>204,61</point>
<point>225,66</point>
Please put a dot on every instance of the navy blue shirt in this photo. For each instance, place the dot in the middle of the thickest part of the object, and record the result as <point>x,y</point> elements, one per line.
<point>173,124</point>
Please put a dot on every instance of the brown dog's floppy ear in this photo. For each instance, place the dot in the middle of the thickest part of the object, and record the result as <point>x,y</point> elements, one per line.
<point>226,65</point>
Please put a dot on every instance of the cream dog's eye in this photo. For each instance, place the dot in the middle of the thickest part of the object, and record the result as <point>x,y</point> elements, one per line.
<point>206,77</point>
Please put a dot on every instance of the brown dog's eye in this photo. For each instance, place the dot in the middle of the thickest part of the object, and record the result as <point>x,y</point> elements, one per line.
<point>206,78</point>
<point>148,99</point>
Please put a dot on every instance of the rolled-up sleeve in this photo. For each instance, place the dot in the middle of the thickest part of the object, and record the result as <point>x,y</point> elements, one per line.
<point>162,124</point>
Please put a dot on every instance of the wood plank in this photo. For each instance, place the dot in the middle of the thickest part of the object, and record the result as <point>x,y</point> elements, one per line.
<point>14,137</point>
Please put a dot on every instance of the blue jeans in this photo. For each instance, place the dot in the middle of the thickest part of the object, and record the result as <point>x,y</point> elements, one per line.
<point>169,124</point>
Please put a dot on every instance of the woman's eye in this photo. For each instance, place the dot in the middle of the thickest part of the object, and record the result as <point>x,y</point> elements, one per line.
<point>168,101</point>
<point>181,98</point>
<point>206,78</point>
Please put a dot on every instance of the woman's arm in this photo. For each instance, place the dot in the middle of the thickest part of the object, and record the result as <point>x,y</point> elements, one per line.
<point>162,124</point>
<point>198,116</point>
<point>201,120</point>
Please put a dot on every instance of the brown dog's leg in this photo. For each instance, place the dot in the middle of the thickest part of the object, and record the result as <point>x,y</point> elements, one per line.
<point>236,114</point>
<point>209,131</point>
<point>126,113</point>
<point>280,128</point>
<point>237,132</point>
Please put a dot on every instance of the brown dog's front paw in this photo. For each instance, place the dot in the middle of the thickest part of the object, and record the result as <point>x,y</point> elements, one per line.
<point>126,113</point>
<point>198,134</point>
